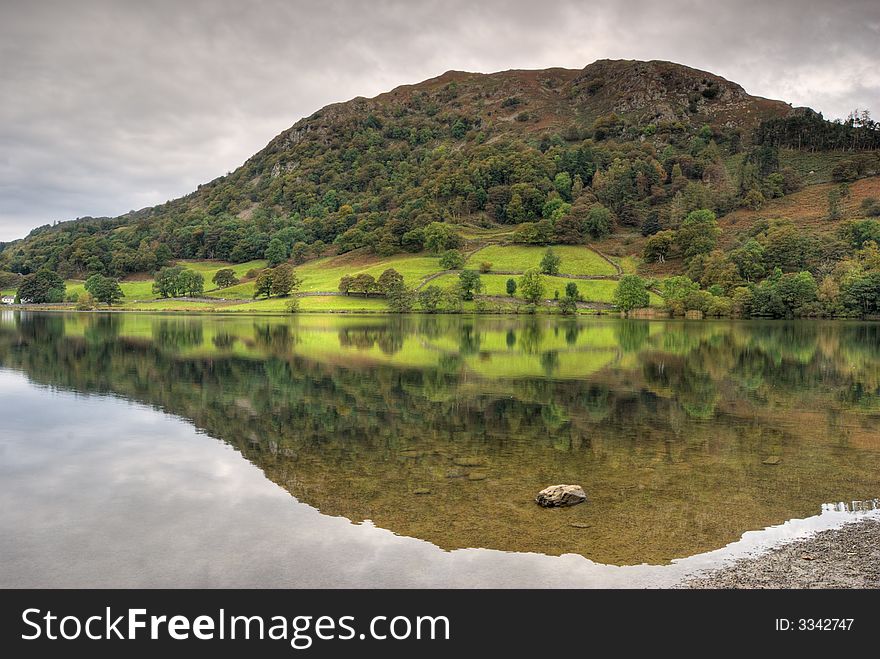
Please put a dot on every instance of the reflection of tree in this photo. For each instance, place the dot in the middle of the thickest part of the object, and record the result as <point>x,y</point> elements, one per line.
<point>178,333</point>
<point>572,332</point>
<point>595,402</point>
<point>550,362</point>
<point>632,334</point>
<point>468,340</point>
<point>274,338</point>
<point>102,328</point>
<point>530,336</point>
<point>40,326</point>
<point>391,339</point>
<point>223,340</point>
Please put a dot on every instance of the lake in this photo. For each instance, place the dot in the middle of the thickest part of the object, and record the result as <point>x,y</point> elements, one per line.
<point>173,450</point>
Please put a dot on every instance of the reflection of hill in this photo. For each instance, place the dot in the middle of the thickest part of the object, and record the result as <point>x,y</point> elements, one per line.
<point>666,425</point>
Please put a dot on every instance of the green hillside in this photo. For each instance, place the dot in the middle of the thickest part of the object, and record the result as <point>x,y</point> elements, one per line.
<point>637,159</point>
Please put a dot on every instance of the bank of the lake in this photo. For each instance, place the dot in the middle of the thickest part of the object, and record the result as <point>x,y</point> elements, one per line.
<point>846,557</point>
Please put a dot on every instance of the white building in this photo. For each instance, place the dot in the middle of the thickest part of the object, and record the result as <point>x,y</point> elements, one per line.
<point>8,299</point>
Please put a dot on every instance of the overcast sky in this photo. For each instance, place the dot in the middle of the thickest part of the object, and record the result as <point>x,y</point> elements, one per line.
<point>111,106</point>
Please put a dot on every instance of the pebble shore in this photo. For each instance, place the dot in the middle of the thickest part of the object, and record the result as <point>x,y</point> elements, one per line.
<point>846,557</point>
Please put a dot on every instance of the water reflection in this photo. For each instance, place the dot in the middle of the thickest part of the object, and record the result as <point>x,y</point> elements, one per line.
<point>684,435</point>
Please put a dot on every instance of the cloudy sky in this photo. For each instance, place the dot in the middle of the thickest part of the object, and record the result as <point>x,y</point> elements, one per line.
<point>111,106</point>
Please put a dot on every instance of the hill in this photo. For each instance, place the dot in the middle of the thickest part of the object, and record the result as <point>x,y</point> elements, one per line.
<point>555,156</point>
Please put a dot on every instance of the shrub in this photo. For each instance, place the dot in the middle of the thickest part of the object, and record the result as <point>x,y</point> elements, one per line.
<point>85,302</point>
<point>871,206</point>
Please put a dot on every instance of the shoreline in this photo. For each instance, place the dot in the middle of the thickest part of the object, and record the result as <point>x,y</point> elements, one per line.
<point>843,557</point>
<point>546,311</point>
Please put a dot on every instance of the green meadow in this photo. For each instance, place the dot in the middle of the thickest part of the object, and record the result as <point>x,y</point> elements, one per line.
<point>320,281</point>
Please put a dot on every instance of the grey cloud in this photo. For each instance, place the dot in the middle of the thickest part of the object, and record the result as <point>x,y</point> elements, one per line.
<point>110,106</point>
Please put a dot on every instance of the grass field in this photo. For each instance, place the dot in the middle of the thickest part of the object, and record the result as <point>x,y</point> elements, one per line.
<point>323,275</point>
<point>313,303</point>
<point>591,290</point>
<point>133,290</point>
<point>576,259</point>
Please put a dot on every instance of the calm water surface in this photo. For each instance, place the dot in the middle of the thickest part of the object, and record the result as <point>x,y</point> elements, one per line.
<point>168,450</point>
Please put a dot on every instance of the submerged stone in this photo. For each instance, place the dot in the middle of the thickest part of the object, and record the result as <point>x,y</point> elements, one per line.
<point>773,460</point>
<point>468,462</point>
<point>561,495</point>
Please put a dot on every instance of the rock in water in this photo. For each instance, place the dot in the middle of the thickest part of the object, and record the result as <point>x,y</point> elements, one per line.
<point>561,495</point>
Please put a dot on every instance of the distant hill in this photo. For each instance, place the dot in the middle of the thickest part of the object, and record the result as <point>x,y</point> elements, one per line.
<point>539,151</point>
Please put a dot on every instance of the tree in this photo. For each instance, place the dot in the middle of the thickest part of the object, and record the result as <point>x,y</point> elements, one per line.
<point>631,293</point>
<point>567,306</point>
<point>85,302</point>
<point>862,295</point>
<point>652,224</point>
<point>659,246</point>
<point>568,303</point>
<point>531,286</point>
<point>451,299</point>
<point>364,283</point>
<point>698,234</point>
<point>598,222</point>
<point>675,292</point>
<point>717,269</point>
<point>440,237</point>
<point>299,253</point>
<point>276,252</point>
<point>224,278</point>
<point>401,299</point>
<point>452,259</point>
<point>511,287</point>
<point>167,281</point>
<point>263,284</point>
<point>485,266</point>
<point>41,287</point>
<point>550,262</point>
<point>798,292</point>
<point>429,298</point>
<point>389,280</point>
<point>346,283</point>
<point>568,230</point>
<point>191,283</point>
<point>284,280</point>
<point>749,260</point>
<point>470,284</point>
<point>104,289</point>
<point>562,182</point>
